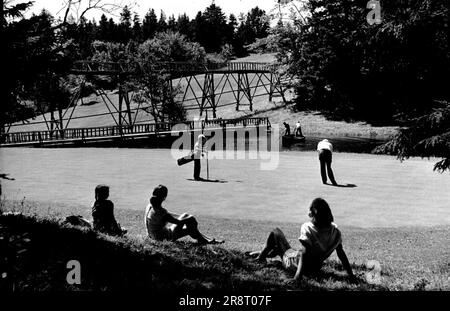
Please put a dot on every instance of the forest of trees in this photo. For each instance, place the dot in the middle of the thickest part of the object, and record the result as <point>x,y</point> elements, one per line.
<point>211,28</point>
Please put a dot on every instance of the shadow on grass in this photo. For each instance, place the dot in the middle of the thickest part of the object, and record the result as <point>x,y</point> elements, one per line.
<point>220,181</point>
<point>330,277</point>
<point>343,185</point>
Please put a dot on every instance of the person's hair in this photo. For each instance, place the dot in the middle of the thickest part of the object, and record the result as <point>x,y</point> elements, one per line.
<point>101,192</point>
<point>158,195</point>
<point>321,212</point>
<point>201,136</point>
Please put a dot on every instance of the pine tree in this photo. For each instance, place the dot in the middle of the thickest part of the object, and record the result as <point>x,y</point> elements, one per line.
<point>103,29</point>
<point>215,28</point>
<point>427,136</point>
<point>150,24</point>
<point>184,26</point>
<point>125,25</point>
<point>162,24</point>
<point>137,28</point>
<point>172,23</point>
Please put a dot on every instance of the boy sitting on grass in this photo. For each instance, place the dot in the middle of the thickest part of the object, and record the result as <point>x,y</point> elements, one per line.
<point>103,213</point>
<point>318,239</point>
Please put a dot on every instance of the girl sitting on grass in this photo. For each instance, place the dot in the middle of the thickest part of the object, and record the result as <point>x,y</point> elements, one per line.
<point>318,239</point>
<point>162,225</point>
<point>103,213</point>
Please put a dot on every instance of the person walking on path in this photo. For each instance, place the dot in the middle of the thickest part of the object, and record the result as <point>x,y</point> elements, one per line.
<point>325,150</point>
<point>199,151</point>
<point>298,130</point>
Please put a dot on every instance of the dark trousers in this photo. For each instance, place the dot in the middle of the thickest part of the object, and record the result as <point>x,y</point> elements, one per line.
<point>197,168</point>
<point>325,158</point>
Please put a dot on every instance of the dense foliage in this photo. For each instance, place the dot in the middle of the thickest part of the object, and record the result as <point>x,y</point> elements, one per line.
<point>211,28</point>
<point>40,51</point>
<point>426,136</point>
<point>35,60</point>
<point>380,73</point>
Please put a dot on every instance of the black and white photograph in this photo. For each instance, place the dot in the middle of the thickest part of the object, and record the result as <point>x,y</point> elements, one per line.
<point>224,154</point>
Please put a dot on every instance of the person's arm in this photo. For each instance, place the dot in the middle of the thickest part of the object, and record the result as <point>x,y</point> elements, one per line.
<point>171,219</point>
<point>343,258</point>
<point>115,227</point>
<point>299,272</point>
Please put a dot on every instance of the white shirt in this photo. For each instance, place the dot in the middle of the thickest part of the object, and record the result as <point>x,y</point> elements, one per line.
<point>325,145</point>
<point>200,149</point>
<point>321,241</point>
<point>155,221</point>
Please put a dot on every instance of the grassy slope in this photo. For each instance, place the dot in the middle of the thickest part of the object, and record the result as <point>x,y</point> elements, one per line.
<point>313,123</point>
<point>411,258</point>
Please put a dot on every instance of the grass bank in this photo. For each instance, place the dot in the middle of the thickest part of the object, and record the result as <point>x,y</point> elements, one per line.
<point>410,258</point>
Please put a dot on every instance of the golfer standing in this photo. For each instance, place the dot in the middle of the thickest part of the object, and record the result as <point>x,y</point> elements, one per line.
<point>325,150</point>
<point>199,151</point>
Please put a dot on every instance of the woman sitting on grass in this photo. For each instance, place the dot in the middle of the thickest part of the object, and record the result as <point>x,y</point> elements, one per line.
<point>162,225</point>
<point>103,213</point>
<point>318,239</point>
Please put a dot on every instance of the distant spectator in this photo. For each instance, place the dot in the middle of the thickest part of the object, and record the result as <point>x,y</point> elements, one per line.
<point>318,239</point>
<point>103,213</point>
<point>325,150</point>
<point>298,129</point>
<point>287,127</point>
<point>162,225</point>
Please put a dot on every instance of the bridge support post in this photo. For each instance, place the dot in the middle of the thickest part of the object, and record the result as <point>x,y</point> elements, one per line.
<point>249,93</point>
<point>271,87</point>
<point>120,105</point>
<point>208,94</point>
<point>238,98</point>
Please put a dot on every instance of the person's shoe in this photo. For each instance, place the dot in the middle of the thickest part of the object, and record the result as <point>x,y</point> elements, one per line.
<point>214,241</point>
<point>250,254</point>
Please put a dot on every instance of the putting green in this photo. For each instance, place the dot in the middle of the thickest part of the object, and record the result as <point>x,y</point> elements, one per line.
<point>387,193</point>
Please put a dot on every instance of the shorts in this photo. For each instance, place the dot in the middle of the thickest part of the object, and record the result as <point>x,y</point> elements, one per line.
<point>290,259</point>
<point>166,233</point>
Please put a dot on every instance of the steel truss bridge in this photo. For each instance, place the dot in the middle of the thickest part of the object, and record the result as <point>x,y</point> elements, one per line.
<point>201,87</point>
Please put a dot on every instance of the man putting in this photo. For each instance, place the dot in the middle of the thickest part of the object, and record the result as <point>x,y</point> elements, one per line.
<point>199,151</point>
<point>325,150</point>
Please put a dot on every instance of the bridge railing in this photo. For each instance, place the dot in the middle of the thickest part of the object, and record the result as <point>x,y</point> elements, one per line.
<point>96,67</point>
<point>120,131</point>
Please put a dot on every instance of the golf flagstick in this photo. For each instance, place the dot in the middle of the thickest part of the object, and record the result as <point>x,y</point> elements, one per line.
<point>207,167</point>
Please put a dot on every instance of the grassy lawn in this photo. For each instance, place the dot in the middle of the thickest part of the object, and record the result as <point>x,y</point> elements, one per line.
<point>387,193</point>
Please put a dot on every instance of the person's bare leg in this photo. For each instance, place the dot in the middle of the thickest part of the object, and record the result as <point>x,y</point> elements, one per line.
<point>276,245</point>
<point>191,228</point>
